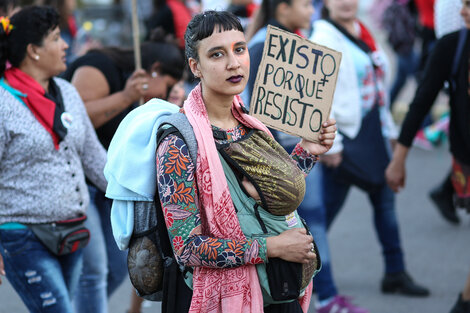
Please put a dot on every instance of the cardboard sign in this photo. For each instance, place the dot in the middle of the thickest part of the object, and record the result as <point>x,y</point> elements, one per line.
<point>295,84</point>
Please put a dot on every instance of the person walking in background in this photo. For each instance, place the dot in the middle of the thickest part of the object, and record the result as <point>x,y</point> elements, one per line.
<point>439,69</point>
<point>447,20</point>
<point>399,24</point>
<point>365,125</point>
<point>47,146</point>
<point>172,16</point>
<point>111,88</point>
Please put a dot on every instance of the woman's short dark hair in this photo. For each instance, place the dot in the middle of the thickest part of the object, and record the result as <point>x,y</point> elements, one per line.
<point>30,26</point>
<point>202,26</point>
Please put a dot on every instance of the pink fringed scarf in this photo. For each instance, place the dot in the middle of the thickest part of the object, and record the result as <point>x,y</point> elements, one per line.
<point>221,290</point>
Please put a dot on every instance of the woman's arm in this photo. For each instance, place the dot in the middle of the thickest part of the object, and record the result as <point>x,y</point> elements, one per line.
<point>436,71</point>
<point>94,90</point>
<point>178,196</point>
<point>305,153</point>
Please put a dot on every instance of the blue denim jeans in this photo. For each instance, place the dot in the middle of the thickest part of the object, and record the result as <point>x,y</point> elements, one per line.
<point>44,282</point>
<point>407,64</point>
<point>323,201</point>
<point>104,265</point>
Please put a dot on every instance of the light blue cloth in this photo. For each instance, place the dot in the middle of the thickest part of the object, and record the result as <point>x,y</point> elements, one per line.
<point>131,167</point>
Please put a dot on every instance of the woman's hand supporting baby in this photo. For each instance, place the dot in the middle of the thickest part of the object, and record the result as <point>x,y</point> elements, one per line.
<point>291,245</point>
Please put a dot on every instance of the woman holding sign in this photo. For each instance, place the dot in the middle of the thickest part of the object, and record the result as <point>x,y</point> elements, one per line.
<point>365,130</point>
<point>205,203</point>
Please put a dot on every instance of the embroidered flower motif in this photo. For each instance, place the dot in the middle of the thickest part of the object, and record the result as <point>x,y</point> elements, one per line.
<point>182,194</point>
<point>177,243</point>
<point>228,259</point>
<point>166,187</point>
<point>179,158</point>
<point>168,217</point>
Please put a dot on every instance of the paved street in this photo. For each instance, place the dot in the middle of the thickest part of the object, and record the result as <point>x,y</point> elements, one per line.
<point>437,253</point>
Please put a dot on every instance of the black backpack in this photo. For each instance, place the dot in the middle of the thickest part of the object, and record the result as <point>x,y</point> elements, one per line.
<point>399,24</point>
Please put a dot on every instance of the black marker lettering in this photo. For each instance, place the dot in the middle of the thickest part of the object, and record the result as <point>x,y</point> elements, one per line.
<point>317,128</point>
<point>283,73</point>
<point>317,54</point>
<point>282,49</point>
<point>289,76</point>
<point>267,103</point>
<point>259,103</point>
<point>269,70</point>
<point>299,85</point>
<point>277,107</point>
<point>292,50</point>
<point>303,55</point>
<point>293,112</point>
<point>302,116</point>
<point>323,62</point>
<point>271,45</point>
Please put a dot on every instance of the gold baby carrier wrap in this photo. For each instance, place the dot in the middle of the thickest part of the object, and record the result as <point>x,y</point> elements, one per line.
<point>278,180</point>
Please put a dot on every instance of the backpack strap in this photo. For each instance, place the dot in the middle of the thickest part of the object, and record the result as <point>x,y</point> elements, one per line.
<point>181,124</point>
<point>457,56</point>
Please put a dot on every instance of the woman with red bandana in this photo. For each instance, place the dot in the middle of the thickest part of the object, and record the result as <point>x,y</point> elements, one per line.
<point>47,147</point>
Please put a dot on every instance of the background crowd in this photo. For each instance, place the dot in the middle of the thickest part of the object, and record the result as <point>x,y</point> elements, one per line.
<point>100,78</point>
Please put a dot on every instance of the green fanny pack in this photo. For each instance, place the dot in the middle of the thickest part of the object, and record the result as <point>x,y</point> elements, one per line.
<point>281,281</point>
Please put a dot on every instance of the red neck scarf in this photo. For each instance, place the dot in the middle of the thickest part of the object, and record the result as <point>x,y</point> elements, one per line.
<point>367,38</point>
<point>43,108</point>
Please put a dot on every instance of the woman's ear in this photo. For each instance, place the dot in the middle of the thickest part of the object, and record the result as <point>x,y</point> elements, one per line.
<point>194,66</point>
<point>32,51</point>
<point>155,68</point>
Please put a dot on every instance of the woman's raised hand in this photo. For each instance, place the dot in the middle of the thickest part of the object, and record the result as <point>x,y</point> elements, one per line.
<point>292,245</point>
<point>327,135</point>
<point>136,85</point>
